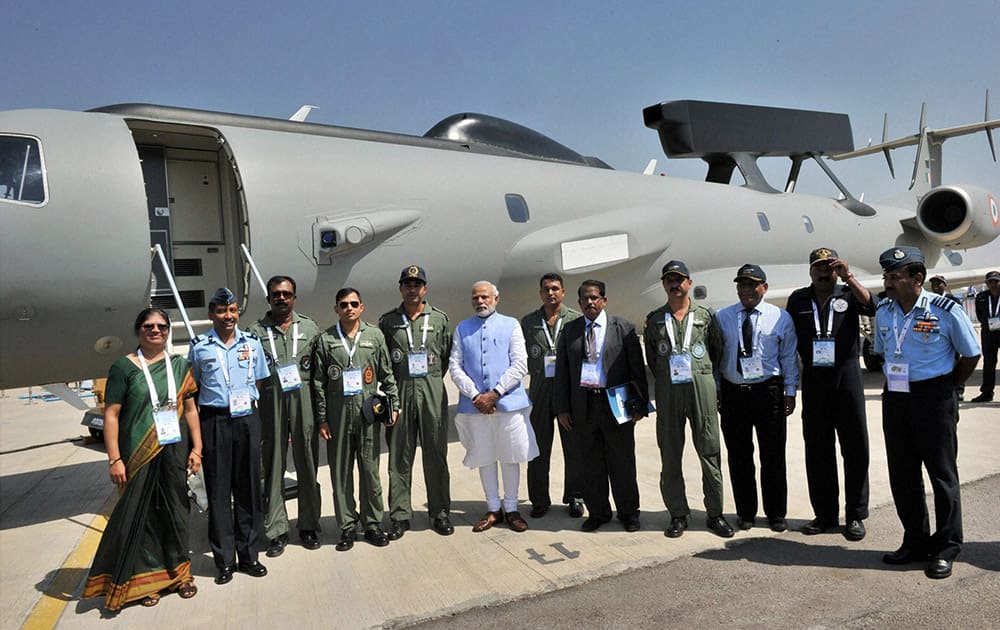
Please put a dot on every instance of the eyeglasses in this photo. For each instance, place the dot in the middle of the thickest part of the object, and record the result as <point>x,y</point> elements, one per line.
<point>160,327</point>
<point>282,294</point>
<point>352,304</point>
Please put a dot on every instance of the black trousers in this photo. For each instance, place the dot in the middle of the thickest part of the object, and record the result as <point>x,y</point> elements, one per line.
<point>760,407</point>
<point>231,461</point>
<point>607,451</point>
<point>833,409</point>
<point>544,423</point>
<point>991,342</point>
<point>920,431</point>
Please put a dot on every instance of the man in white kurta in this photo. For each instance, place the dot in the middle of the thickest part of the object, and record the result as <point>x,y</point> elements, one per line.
<point>488,363</point>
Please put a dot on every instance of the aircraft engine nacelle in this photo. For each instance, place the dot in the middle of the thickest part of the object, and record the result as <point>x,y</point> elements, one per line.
<point>959,217</point>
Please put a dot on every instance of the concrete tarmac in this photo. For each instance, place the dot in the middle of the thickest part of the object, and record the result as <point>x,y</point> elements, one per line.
<point>54,484</point>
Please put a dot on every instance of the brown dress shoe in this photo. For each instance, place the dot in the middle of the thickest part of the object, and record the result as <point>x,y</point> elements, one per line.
<point>516,522</point>
<point>489,520</point>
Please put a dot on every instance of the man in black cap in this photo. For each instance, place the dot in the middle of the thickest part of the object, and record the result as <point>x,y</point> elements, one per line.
<point>760,374</point>
<point>683,343</point>
<point>833,397</point>
<point>988,314</point>
<point>419,344</point>
<point>229,366</point>
<point>919,334</point>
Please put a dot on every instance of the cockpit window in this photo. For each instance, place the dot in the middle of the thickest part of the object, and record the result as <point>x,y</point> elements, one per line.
<point>22,177</point>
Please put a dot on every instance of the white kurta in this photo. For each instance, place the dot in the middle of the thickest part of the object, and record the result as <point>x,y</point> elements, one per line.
<point>505,437</point>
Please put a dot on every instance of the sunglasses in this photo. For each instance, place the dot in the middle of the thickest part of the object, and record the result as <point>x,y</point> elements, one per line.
<point>282,294</point>
<point>160,327</point>
<point>352,304</point>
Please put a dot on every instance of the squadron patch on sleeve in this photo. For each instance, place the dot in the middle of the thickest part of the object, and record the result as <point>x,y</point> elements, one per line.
<point>663,348</point>
<point>333,372</point>
<point>305,363</point>
<point>536,351</point>
<point>840,305</point>
<point>269,359</point>
<point>698,350</point>
<point>369,375</point>
<point>397,355</point>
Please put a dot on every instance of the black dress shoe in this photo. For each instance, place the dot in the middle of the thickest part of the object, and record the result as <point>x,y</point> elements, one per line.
<point>777,524</point>
<point>225,575</point>
<point>538,511</point>
<point>377,537</point>
<point>854,530</point>
<point>576,508</point>
<point>632,524</point>
<point>277,546</point>
<point>592,523</point>
<point>347,538</point>
<point>309,539</point>
<point>676,527</point>
<point>819,525</point>
<point>904,555</point>
<point>720,526</point>
<point>745,523</point>
<point>981,398</point>
<point>938,569</point>
<point>253,569</point>
<point>443,526</point>
<point>398,529</point>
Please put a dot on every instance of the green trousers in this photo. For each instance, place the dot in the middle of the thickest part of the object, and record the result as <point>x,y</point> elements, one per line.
<point>423,420</point>
<point>355,441</point>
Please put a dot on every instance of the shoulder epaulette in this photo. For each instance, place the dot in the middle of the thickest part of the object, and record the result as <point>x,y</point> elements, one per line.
<point>198,339</point>
<point>943,303</point>
<point>437,310</point>
<point>251,335</point>
<point>886,301</point>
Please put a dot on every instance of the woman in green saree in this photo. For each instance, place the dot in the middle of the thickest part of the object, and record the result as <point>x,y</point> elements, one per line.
<point>153,438</point>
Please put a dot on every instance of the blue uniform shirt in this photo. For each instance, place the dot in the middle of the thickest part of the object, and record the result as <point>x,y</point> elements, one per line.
<point>939,329</point>
<point>244,353</point>
<point>774,342</point>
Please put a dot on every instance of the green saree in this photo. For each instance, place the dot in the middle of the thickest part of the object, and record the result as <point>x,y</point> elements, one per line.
<point>144,549</point>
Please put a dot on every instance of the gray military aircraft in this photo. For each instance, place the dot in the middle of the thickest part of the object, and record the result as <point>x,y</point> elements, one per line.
<point>84,195</point>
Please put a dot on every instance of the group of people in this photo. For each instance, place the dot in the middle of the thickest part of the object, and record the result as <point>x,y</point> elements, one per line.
<point>244,394</point>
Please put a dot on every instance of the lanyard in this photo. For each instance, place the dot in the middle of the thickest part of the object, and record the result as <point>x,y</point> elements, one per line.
<point>739,330</point>
<point>668,322</point>
<point>225,364</point>
<point>545,327</point>
<point>349,350</point>
<point>994,310</point>
<point>295,341</point>
<point>899,337</point>
<point>409,333</point>
<point>829,320</point>
<point>171,384</point>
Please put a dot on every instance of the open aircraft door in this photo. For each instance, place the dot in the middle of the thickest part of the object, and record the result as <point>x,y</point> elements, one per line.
<point>74,232</point>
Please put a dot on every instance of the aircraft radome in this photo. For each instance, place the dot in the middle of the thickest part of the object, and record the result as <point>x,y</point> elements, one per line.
<point>84,195</point>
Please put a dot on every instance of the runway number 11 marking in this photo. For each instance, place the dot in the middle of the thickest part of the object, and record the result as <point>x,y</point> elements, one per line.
<point>560,547</point>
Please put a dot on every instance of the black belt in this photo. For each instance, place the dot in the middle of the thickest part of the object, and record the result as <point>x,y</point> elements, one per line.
<point>943,382</point>
<point>223,410</point>
<point>747,387</point>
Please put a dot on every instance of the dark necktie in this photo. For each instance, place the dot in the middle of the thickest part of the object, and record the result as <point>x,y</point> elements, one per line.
<point>747,340</point>
<point>592,343</point>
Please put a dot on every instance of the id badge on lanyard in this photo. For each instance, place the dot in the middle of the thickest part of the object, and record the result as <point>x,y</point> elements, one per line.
<point>589,375</point>
<point>993,320</point>
<point>550,365</point>
<point>168,427</point>
<point>753,368</point>
<point>353,383</point>
<point>288,376</point>
<point>823,352</point>
<point>680,368</point>
<point>240,402</point>
<point>993,323</point>
<point>417,363</point>
<point>897,377</point>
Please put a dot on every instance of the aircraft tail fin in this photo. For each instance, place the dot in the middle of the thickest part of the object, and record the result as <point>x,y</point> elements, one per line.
<point>927,164</point>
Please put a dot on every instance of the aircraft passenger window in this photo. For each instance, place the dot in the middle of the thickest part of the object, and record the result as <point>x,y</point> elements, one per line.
<point>765,225</point>
<point>517,208</point>
<point>808,223</point>
<point>21,175</point>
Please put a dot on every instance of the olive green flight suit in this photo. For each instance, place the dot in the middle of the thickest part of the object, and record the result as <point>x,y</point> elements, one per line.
<point>542,416</point>
<point>695,401</point>
<point>423,417</point>
<point>287,415</point>
<point>352,439</point>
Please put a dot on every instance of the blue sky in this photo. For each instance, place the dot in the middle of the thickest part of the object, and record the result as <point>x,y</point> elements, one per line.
<point>580,72</point>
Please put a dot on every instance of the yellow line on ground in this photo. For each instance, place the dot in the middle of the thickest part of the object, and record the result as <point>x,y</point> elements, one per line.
<point>49,608</point>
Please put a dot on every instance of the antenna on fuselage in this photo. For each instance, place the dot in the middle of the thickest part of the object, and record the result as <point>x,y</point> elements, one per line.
<point>303,113</point>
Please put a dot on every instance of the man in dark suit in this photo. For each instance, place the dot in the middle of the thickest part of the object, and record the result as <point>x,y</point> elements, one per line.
<point>595,352</point>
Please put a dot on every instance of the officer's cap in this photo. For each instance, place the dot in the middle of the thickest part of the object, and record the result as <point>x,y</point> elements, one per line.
<point>823,254</point>
<point>223,297</point>
<point>750,272</point>
<point>413,272</point>
<point>900,256</point>
<point>376,409</point>
<point>675,267</point>
<point>939,279</point>
<point>993,275</point>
